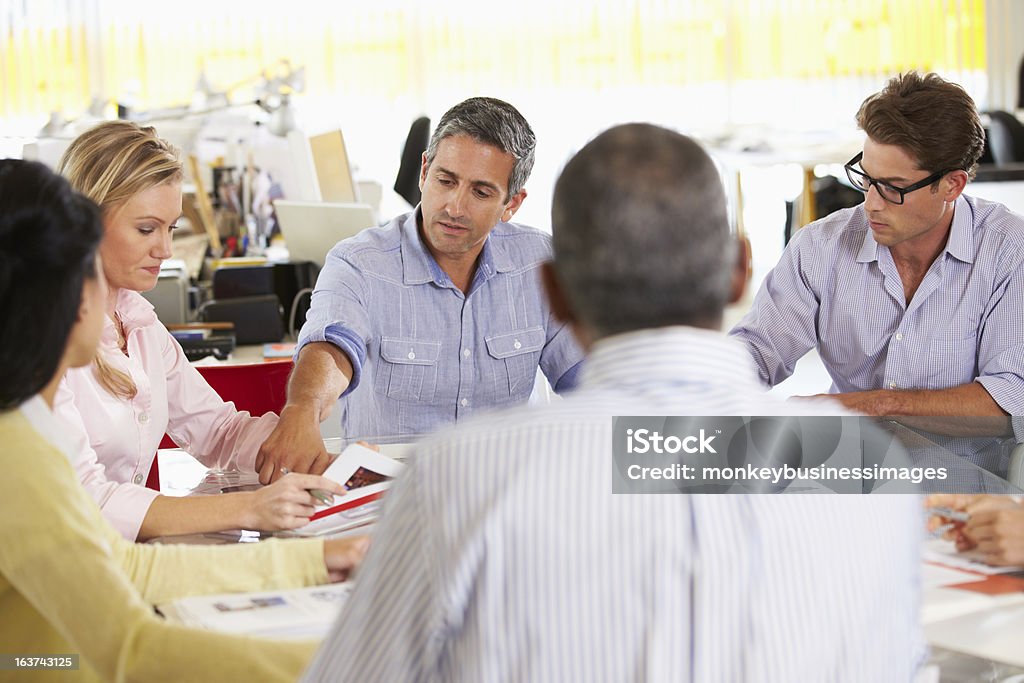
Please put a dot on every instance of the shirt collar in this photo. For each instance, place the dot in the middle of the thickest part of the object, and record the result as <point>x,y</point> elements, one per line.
<point>959,245</point>
<point>48,425</point>
<point>419,265</point>
<point>134,312</point>
<point>670,355</point>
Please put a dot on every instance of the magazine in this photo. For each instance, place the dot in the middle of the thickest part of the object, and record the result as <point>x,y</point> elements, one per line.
<point>293,613</point>
<point>366,475</point>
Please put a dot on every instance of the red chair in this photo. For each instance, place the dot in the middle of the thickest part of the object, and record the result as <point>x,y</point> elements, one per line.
<point>256,387</point>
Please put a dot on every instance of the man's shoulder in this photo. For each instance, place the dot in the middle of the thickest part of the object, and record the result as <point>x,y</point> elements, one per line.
<point>590,411</point>
<point>997,220</point>
<point>507,430</point>
<point>374,244</point>
<point>524,245</point>
<point>845,226</point>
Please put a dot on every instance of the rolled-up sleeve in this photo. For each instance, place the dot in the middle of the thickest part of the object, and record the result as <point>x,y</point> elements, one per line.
<point>338,313</point>
<point>562,357</point>
<point>1001,347</point>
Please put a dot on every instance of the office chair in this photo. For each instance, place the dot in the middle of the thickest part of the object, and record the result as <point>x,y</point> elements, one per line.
<point>259,388</point>
<point>257,319</point>
<point>407,183</point>
<point>1005,138</point>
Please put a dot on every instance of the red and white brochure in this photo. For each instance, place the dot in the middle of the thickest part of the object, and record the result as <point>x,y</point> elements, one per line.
<point>367,475</point>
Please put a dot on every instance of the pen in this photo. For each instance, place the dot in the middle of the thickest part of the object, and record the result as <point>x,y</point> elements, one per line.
<point>950,513</point>
<point>325,497</point>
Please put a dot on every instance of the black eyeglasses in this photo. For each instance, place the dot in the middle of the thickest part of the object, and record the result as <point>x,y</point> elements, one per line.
<point>890,193</point>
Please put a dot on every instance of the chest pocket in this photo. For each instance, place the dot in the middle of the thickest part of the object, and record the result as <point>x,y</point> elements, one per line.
<point>519,351</point>
<point>407,370</point>
<point>953,358</point>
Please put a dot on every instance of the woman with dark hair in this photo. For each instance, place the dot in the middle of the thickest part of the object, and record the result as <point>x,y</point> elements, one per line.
<point>69,583</point>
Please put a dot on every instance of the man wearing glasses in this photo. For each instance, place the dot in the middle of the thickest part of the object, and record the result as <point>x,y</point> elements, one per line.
<point>914,299</point>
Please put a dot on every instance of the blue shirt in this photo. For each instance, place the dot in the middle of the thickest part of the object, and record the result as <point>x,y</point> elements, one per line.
<point>502,554</point>
<point>836,289</point>
<point>423,353</point>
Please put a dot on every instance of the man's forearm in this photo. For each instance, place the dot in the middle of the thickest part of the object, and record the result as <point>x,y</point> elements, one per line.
<point>965,410</point>
<point>322,373</point>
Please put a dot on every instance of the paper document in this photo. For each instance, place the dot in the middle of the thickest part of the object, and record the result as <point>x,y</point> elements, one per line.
<point>955,585</point>
<point>294,613</point>
<point>366,475</point>
<point>939,551</point>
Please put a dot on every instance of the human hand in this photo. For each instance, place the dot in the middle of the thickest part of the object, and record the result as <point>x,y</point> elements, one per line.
<point>287,503</point>
<point>998,534</point>
<point>952,528</point>
<point>343,555</point>
<point>295,445</point>
<point>969,504</point>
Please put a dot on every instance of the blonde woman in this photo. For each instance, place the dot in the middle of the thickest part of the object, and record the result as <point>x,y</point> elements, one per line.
<point>140,385</point>
<point>69,584</point>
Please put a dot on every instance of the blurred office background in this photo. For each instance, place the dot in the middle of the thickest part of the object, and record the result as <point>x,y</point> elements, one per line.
<point>771,86</point>
<point>759,80</point>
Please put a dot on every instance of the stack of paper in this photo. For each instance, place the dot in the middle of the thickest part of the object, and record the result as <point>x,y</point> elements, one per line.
<point>296,613</point>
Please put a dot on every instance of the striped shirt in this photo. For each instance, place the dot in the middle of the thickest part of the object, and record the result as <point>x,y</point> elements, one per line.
<point>837,290</point>
<point>424,354</point>
<point>502,554</point>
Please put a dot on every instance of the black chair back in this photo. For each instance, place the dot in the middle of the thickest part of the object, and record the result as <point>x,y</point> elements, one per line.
<point>1005,138</point>
<point>407,184</point>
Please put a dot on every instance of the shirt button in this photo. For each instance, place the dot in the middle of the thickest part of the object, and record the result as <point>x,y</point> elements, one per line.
<point>464,402</point>
<point>137,479</point>
<point>143,417</point>
<point>412,356</point>
<point>899,336</point>
<point>517,345</point>
<point>892,385</point>
<point>465,353</point>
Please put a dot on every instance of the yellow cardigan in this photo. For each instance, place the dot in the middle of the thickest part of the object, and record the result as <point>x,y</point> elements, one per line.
<point>70,584</point>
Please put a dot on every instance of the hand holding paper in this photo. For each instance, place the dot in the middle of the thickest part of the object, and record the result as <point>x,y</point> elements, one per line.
<point>287,503</point>
<point>994,526</point>
<point>364,475</point>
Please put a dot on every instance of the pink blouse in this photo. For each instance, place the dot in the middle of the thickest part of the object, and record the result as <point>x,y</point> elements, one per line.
<point>117,438</point>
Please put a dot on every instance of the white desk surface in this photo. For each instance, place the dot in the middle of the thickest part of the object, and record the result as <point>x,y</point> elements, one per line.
<point>995,634</point>
<point>988,625</point>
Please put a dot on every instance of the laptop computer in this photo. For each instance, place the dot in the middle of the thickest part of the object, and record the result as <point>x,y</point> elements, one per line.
<point>311,229</point>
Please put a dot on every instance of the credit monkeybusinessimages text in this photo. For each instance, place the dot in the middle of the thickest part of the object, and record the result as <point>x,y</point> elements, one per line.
<point>750,472</point>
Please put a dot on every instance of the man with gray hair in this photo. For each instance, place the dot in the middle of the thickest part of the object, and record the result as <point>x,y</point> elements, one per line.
<point>437,315</point>
<point>502,553</point>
